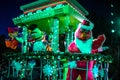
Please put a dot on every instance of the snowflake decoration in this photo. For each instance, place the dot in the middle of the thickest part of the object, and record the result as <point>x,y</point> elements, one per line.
<point>95,71</point>
<point>48,70</point>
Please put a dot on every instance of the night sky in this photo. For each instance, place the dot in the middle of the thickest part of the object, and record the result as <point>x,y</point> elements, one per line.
<point>8,11</point>
<point>99,13</point>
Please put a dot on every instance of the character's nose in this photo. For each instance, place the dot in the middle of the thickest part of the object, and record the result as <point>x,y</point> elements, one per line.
<point>83,35</point>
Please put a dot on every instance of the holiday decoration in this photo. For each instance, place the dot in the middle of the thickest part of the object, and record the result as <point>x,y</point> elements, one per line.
<point>48,70</point>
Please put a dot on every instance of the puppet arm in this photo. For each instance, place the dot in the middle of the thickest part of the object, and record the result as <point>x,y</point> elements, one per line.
<point>19,39</point>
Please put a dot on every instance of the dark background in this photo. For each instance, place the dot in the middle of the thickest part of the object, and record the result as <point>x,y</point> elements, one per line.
<point>99,14</point>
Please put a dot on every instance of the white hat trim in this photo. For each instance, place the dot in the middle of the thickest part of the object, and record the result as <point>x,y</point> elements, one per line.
<point>86,27</point>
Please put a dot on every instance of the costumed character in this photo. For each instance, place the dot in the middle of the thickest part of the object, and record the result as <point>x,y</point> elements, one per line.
<point>40,42</point>
<point>46,41</point>
<point>12,43</point>
<point>37,35</point>
<point>84,44</point>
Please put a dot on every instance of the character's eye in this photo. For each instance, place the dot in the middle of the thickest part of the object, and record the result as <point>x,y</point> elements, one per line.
<point>84,30</point>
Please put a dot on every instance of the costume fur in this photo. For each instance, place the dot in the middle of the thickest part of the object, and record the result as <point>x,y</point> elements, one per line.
<point>84,44</point>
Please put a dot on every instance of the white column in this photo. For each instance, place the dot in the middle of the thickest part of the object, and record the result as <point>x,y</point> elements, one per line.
<point>25,37</point>
<point>55,37</point>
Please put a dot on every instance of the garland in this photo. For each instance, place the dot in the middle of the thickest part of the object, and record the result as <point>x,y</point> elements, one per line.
<point>59,56</point>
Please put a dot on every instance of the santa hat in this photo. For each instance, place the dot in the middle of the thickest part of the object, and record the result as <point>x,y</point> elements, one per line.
<point>87,25</point>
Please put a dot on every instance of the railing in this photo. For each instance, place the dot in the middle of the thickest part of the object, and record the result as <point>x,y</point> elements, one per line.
<point>49,65</point>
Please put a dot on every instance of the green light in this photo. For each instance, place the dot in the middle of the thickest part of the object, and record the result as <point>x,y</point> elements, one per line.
<point>112,14</point>
<point>111,5</point>
<point>112,30</point>
<point>112,22</point>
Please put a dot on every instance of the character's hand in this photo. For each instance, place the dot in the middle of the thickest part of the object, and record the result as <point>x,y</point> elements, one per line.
<point>103,48</point>
<point>72,64</point>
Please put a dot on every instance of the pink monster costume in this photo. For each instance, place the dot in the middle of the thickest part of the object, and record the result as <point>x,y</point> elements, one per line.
<point>84,44</point>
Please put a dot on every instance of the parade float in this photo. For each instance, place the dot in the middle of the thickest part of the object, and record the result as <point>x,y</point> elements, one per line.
<point>55,18</point>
